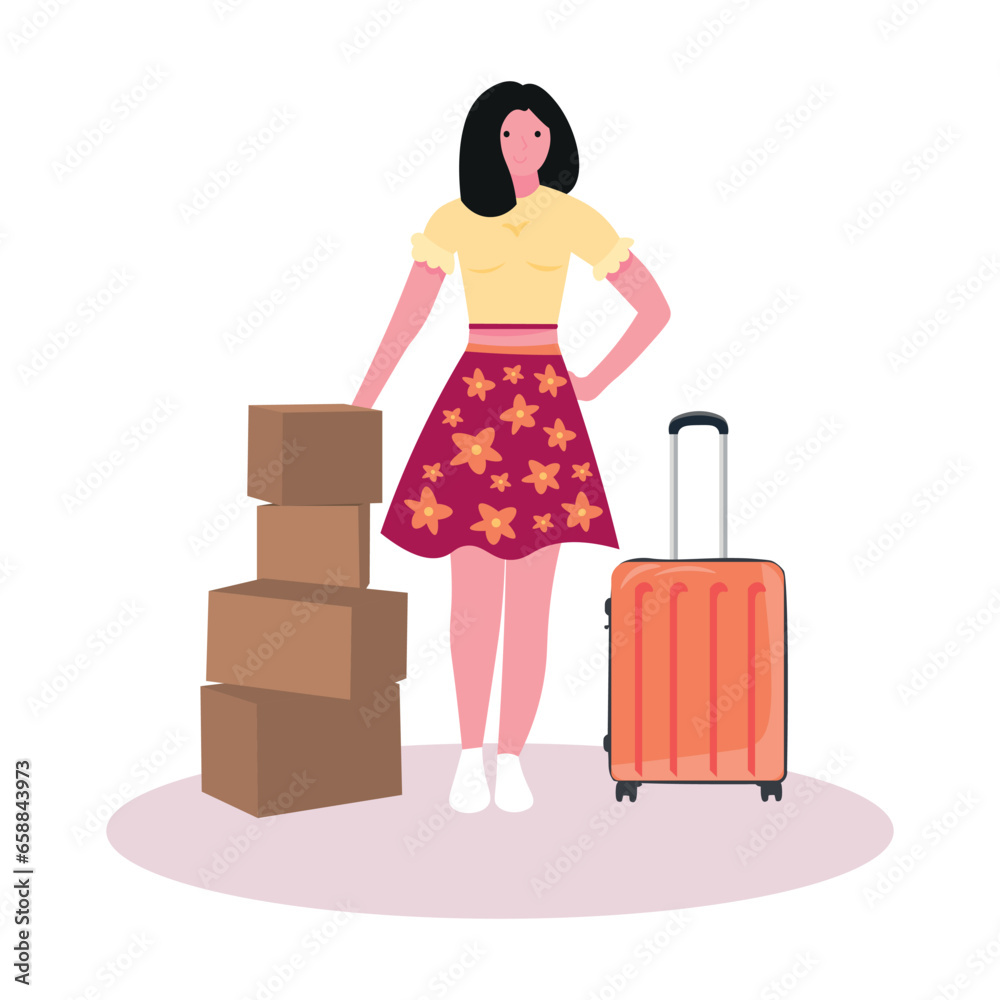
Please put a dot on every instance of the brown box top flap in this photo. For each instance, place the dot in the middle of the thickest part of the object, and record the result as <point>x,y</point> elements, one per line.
<point>313,408</point>
<point>313,593</point>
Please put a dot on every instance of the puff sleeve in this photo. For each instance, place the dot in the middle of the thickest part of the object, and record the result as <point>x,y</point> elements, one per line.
<point>437,244</point>
<point>595,240</point>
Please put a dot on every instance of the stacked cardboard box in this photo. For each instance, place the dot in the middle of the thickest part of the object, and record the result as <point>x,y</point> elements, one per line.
<point>305,712</point>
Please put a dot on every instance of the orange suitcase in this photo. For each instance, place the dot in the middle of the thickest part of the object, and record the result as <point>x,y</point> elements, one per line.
<point>698,667</point>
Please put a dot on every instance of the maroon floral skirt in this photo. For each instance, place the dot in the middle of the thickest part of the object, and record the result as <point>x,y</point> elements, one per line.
<point>504,462</point>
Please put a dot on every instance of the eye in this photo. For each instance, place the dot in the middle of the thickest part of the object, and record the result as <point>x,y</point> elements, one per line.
<point>506,134</point>
<point>538,135</point>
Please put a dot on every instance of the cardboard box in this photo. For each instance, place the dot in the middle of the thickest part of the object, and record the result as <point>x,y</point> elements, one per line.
<point>315,543</point>
<point>315,454</point>
<point>269,752</point>
<point>309,638</point>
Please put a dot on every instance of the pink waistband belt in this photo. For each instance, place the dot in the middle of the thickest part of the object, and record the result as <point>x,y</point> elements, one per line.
<point>512,334</point>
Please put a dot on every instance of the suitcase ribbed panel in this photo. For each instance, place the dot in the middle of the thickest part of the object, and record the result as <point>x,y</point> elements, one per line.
<point>698,671</point>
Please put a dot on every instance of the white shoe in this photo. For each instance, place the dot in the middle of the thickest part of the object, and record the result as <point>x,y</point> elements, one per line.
<point>512,794</point>
<point>470,792</point>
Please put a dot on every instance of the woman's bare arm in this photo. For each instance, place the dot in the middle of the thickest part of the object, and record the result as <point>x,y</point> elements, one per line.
<point>637,285</point>
<point>414,306</point>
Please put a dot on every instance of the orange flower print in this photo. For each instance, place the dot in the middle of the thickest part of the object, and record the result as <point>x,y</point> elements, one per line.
<point>581,472</point>
<point>513,374</point>
<point>427,512</point>
<point>452,417</point>
<point>479,384</point>
<point>548,381</point>
<point>559,435</point>
<point>543,477</point>
<point>475,450</point>
<point>495,522</point>
<point>432,472</point>
<point>500,482</point>
<point>543,523</point>
<point>580,512</point>
<point>520,414</point>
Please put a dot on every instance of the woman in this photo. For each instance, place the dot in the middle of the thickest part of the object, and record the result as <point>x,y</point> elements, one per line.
<point>503,471</point>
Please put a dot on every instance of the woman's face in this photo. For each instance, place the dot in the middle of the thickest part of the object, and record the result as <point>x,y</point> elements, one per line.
<point>524,140</point>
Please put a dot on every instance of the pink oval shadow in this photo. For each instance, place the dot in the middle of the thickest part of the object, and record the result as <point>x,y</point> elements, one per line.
<point>576,852</point>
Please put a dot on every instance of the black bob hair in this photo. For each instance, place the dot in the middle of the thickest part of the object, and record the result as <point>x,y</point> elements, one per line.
<point>484,180</point>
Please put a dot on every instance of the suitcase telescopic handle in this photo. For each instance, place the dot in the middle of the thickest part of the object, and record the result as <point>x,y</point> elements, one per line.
<point>699,418</point>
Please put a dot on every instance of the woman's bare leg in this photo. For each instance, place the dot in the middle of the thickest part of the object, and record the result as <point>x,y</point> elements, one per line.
<point>476,603</point>
<point>527,596</point>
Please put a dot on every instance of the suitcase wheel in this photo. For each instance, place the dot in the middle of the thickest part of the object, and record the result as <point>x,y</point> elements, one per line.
<point>607,743</point>
<point>629,788</point>
<point>769,788</point>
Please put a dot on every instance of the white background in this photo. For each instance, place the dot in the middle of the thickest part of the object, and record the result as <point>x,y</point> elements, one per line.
<point>658,137</point>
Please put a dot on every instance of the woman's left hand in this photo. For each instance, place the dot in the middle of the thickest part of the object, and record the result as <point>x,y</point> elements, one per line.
<point>584,387</point>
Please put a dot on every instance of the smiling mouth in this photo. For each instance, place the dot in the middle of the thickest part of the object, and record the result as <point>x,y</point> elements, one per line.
<point>519,159</point>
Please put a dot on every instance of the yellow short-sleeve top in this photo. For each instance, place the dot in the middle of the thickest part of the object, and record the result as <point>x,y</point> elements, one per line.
<point>514,265</point>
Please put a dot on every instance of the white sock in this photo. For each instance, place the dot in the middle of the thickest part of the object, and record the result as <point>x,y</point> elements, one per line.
<point>512,794</point>
<point>469,791</point>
